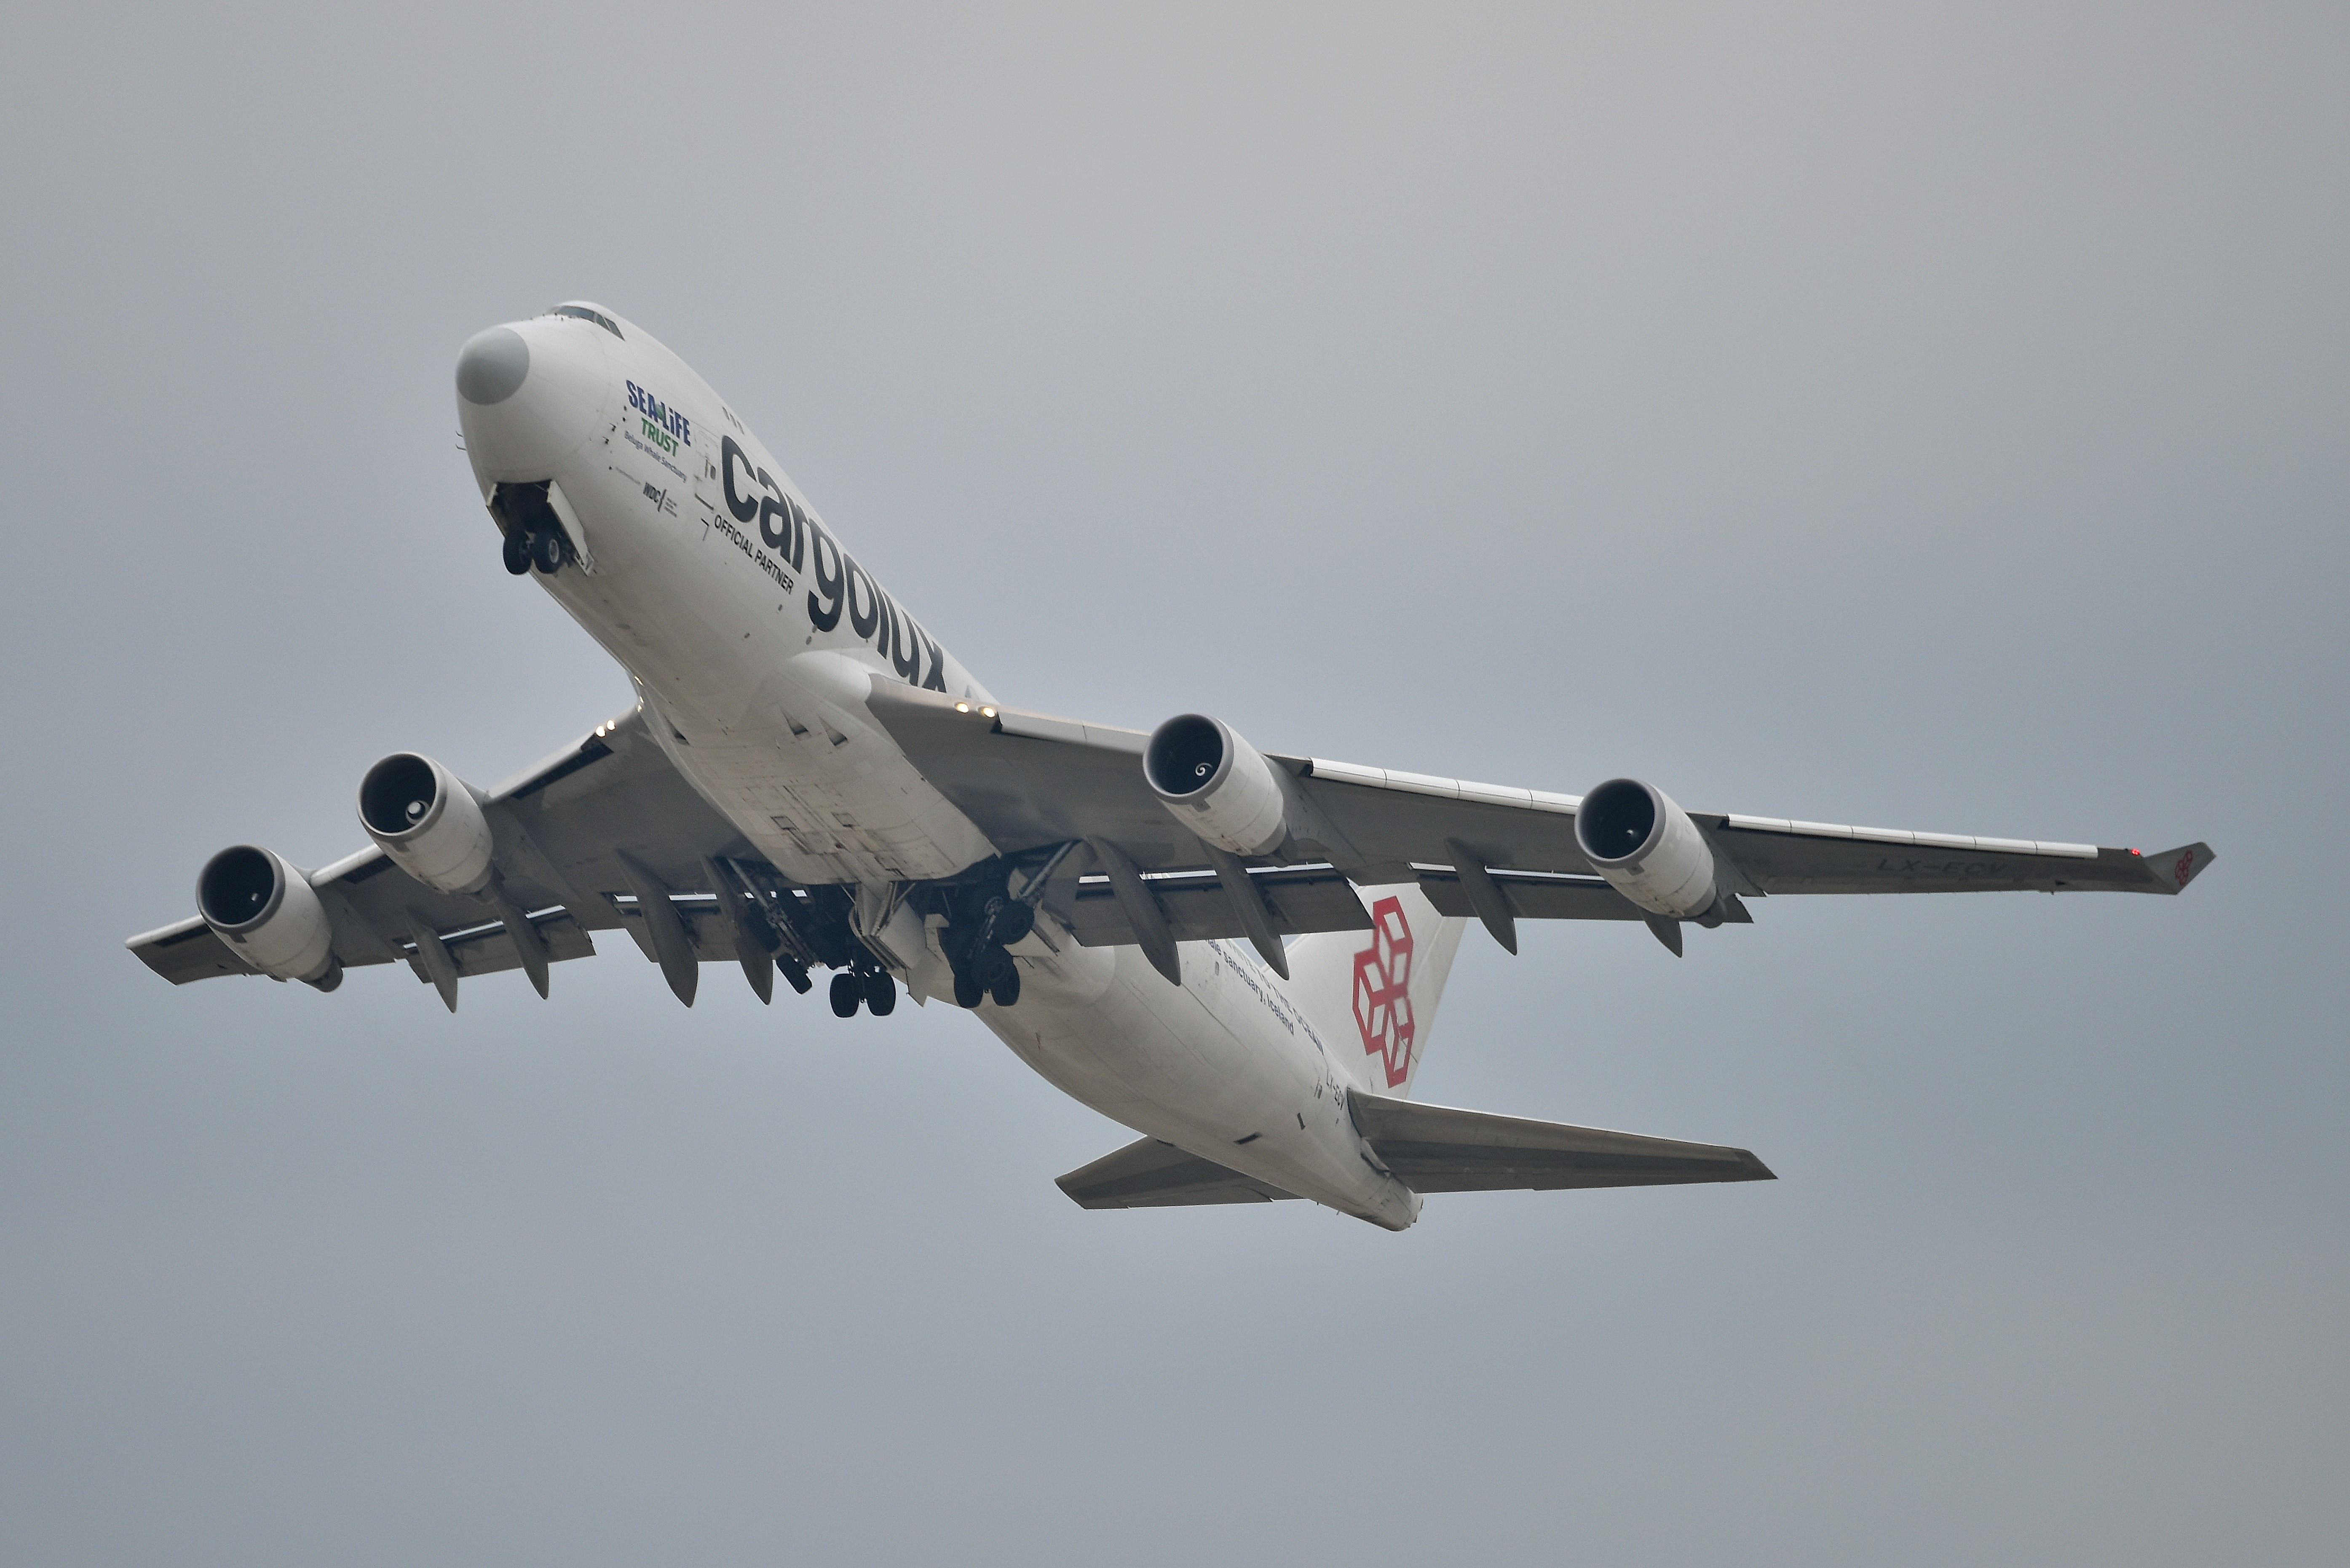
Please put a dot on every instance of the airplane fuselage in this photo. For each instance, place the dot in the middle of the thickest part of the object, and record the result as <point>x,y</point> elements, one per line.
<point>752,636</point>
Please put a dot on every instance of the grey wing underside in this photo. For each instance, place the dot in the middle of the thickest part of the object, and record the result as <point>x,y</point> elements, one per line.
<point>1030,781</point>
<point>1428,1148</point>
<point>561,830</point>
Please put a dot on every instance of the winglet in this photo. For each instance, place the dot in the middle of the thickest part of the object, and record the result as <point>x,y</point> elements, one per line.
<point>2173,869</point>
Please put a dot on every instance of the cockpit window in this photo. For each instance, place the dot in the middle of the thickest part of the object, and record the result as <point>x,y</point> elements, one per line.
<point>584,314</point>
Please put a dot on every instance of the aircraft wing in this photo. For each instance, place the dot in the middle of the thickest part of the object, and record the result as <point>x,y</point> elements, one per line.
<point>1030,780</point>
<point>561,831</point>
<point>1428,1148</point>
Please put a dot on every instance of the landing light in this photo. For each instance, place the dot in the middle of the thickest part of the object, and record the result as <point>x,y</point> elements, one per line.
<point>987,712</point>
<point>963,707</point>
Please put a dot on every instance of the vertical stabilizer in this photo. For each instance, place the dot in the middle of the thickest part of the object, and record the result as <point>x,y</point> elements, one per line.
<point>1372,995</point>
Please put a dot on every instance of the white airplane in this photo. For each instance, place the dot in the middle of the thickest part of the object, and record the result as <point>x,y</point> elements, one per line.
<point>809,779</point>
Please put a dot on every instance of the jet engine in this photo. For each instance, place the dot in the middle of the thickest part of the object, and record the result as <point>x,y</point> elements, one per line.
<point>1647,848</point>
<point>1216,785</point>
<point>269,915</point>
<point>428,820</point>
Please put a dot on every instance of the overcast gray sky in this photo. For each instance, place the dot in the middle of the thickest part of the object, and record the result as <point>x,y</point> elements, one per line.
<point>1931,416</point>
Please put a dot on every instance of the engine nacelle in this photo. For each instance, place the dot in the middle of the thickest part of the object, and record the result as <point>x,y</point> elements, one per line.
<point>1216,785</point>
<point>428,822</point>
<point>1647,848</point>
<point>269,915</point>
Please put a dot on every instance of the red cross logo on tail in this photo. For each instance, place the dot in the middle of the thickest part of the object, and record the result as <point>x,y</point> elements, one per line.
<point>1383,991</point>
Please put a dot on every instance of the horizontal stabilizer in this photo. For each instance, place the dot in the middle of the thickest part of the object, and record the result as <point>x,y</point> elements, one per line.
<point>1149,1174</point>
<point>1430,1149</point>
<point>1435,1148</point>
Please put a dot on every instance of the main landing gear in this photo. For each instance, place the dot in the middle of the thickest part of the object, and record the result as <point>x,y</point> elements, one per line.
<point>1000,981</point>
<point>871,989</point>
<point>986,921</point>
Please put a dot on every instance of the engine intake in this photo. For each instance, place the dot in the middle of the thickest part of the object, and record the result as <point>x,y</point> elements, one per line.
<point>1647,848</point>
<point>1216,784</point>
<point>428,820</point>
<point>269,915</point>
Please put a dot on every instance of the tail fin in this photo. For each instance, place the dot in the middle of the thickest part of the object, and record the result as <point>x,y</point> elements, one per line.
<point>2173,869</point>
<point>1372,995</point>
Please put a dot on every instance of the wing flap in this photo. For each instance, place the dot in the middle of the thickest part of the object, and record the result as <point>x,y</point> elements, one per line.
<point>489,949</point>
<point>1152,1174</point>
<point>1300,899</point>
<point>1440,1148</point>
<point>1550,898</point>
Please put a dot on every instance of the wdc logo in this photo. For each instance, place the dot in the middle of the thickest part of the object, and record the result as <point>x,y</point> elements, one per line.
<point>1383,991</point>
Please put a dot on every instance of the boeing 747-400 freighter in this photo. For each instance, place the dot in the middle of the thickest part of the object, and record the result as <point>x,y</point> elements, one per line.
<point>809,780</point>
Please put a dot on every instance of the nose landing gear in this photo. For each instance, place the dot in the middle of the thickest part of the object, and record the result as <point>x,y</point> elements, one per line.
<point>534,534</point>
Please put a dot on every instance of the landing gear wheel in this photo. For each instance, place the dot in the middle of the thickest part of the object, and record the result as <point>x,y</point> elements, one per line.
<point>968,992</point>
<point>517,554</point>
<point>547,551</point>
<point>1012,922</point>
<point>846,993</point>
<point>1005,987</point>
<point>880,994</point>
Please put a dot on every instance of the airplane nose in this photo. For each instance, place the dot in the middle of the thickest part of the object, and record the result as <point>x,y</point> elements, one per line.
<point>529,394</point>
<point>491,366</point>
